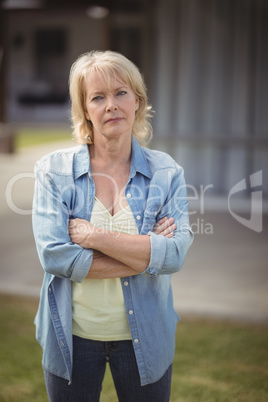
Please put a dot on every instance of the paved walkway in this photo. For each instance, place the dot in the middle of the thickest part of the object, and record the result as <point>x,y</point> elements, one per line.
<point>225,274</point>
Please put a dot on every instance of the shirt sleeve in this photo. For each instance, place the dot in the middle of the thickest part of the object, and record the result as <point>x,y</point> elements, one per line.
<point>50,219</point>
<point>168,254</point>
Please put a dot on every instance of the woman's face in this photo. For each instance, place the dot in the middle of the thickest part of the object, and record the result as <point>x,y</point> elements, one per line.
<point>111,110</point>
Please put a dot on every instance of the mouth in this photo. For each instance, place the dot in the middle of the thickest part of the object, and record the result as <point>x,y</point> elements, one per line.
<point>114,120</point>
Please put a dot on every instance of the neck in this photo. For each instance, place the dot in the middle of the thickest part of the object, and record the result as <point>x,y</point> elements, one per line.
<point>111,152</point>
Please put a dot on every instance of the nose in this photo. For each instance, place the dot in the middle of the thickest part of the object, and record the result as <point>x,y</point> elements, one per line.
<point>111,105</point>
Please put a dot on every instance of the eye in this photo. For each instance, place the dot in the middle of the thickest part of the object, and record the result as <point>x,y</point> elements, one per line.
<point>120,93</point>
<point>96,98</point>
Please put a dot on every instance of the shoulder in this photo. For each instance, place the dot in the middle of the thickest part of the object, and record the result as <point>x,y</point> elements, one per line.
<point>159,160</point>
<point>61,161</point>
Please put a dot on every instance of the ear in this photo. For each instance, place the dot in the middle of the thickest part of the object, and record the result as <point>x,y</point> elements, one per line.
<point>87,115</point>
<point>137,104</point>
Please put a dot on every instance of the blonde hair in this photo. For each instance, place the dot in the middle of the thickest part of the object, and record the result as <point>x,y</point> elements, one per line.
<point>107,64</point>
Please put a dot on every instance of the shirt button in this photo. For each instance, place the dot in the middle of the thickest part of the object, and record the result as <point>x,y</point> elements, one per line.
<point>128,195</point>
<point>126,283</point>
<point>155,213</point>
<point>136,340</point>
<point>138,218</point>
<point>49,289</point>
<point>130,312</point>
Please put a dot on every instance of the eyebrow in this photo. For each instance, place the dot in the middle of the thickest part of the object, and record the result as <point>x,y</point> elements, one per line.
<point>100,92</point>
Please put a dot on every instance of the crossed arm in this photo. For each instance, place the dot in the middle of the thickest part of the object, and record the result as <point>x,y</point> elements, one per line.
<point>116,254</point>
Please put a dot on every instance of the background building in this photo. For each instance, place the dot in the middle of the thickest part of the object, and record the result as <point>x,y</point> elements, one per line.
<point>205,63</point>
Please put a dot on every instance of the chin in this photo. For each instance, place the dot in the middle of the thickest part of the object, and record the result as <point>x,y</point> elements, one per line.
<point>118,133</point>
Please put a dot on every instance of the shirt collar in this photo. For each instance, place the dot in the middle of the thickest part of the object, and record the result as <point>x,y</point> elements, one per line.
<point>138,161</point>
<point>81,161</point>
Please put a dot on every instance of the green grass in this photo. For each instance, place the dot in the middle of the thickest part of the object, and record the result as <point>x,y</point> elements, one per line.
<point>29,137</point>
<point>215,361</point>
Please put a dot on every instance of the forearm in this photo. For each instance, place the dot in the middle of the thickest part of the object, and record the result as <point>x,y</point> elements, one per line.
<point>104,267</point>
<point>131,250</point>
<point>168,255</point>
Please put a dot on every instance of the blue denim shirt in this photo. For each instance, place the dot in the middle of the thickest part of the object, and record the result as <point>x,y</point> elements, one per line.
<point>65,189</point>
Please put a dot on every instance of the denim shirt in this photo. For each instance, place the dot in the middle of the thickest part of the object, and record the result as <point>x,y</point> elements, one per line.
<point>64,189</point>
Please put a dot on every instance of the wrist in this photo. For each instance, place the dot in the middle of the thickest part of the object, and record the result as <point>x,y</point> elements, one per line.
<point>96,238</point>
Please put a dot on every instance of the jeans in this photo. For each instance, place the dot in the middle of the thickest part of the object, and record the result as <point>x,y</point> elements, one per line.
<point>89,364</point>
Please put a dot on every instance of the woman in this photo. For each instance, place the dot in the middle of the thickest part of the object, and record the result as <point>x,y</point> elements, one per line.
<point>110,221</point>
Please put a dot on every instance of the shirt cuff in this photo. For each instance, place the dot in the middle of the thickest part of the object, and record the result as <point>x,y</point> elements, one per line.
<point>158,253</point>
<point>82,265</point>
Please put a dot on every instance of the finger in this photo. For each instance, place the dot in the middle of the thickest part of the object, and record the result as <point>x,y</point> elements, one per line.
<point>162,220</point>
<point>169,229</point>
<point>73,228</point>
<point>71,224</point>
<point>76,221</point>
<point>167,223</point>
<point>160,225</point>
<point>79,225</point>
<point>170,235</point>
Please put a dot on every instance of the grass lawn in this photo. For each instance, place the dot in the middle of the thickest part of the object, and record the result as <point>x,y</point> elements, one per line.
<point>214,362</point>
<point>30,136</point>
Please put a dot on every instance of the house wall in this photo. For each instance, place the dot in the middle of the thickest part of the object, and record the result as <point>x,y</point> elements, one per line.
<point>211,88</point>
<point>206,68</point>
<point>82,34</point>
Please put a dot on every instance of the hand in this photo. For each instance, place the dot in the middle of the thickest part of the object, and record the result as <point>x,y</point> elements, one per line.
<point>165,227</point>
<point>81,232</point>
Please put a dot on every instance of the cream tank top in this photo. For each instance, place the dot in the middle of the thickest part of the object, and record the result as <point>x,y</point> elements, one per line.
<point>98,304</point>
